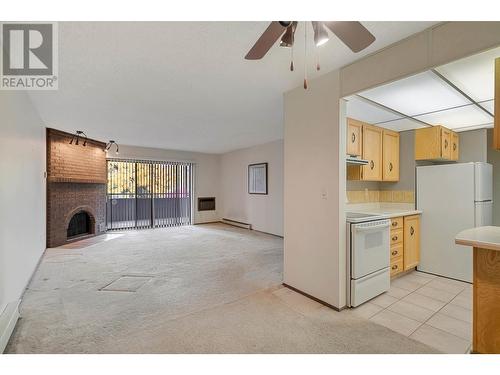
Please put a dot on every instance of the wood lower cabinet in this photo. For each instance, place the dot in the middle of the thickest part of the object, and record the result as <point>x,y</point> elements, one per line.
<point>486,301</point>
<point>405,243</point>
<point>396,241</point>
<point>436,143</point>
<point>396,266</point>
<point>354,136</point>
<point>411,249</point>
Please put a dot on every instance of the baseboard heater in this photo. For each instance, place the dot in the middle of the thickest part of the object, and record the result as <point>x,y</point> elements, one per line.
<point>236,223</point>
<point>8,320</point>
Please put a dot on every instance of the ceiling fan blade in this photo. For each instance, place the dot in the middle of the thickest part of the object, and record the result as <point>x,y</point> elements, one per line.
<point>266,41</point>
<point>352,33</point>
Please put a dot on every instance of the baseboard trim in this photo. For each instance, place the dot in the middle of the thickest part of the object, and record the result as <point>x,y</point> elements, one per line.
<point>313,298</point>
<point>236,223</point>
<point>8,320</point>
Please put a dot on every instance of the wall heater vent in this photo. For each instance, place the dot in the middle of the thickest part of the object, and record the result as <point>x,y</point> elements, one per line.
<point>206,204</point>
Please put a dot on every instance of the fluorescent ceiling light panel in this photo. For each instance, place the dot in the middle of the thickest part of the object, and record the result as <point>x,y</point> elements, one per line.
<point>457,118</point>
<point>416,95</point>
<point>474,75</point>
<point>402,124</point>
<point>488,105</point>
<point>362,110</point>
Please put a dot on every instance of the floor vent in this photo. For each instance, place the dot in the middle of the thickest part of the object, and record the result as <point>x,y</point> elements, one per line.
<point>126,283</point>
<point>237,223</point>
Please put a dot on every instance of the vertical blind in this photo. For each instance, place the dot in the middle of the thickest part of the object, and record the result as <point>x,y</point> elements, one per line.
<point>148,194</point>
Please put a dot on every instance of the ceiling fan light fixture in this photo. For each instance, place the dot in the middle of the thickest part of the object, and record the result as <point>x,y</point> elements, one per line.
<point>287,38</point>
<point>320,33</point>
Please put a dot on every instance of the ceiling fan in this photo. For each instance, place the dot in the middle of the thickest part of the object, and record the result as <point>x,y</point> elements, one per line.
<point>352,33</point>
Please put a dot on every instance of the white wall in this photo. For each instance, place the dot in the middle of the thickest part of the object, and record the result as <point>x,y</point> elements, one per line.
<point>264,212</point>
<point>207,173</point>
<point>311,196</point>
<point>473,145</point>
<point>22,193</point>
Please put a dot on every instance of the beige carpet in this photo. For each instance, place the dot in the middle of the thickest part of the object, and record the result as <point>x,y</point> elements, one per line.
<point>197,289</point>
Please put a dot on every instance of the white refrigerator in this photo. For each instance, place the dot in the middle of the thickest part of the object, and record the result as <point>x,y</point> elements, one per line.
<point>452,197</point>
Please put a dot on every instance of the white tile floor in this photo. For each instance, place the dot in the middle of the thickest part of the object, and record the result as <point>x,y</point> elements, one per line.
<point>433,310</point>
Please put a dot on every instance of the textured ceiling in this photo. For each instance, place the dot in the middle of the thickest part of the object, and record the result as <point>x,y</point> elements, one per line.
<point>184,85</point>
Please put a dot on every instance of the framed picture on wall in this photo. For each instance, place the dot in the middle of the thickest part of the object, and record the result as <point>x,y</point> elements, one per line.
<point>257,178</point>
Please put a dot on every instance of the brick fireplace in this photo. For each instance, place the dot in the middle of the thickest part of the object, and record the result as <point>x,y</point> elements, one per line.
<point>76,188</point>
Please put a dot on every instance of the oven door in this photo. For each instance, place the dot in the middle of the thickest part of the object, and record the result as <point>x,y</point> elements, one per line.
<point>370,247</point>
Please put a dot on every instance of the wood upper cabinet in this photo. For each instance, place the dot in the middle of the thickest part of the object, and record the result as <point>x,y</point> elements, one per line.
<point>445,144</point>
<point>379,146</point>
<point>436,143</point>
<point>454,146</point>
<point>354,135</point>
<point>390,156</point>
<point>372,151</point>
<point>411,241</point>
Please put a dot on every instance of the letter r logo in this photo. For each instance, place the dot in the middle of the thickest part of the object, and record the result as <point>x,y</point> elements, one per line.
<point>28,49</point>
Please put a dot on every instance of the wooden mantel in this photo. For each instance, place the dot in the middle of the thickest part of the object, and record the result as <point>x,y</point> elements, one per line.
<point>496,130</point>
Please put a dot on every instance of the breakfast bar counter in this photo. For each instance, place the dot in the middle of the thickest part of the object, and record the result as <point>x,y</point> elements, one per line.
<point>486,288</point>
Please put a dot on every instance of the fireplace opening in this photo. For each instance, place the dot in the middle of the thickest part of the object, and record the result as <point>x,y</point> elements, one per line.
<point>79,225</point>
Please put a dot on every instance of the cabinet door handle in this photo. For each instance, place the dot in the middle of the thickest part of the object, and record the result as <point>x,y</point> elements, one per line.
<point>394,224</point>
<point>390,167</point>
<point>395,267</point>
<point>412,231</point>
<point>353,137</point>
<point>394,252</point>
<point>445,143</point>
<point>454,146</point>
<point>372,164</point>
<point>394,238</point>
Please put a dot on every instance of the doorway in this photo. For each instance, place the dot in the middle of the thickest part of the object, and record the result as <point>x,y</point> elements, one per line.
<point>148,194</point>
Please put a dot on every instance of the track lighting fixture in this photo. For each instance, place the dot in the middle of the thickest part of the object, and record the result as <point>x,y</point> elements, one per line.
<point>111,143</point>
<point>76,138</point>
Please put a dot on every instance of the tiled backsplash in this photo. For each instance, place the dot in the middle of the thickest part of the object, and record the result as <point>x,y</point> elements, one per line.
<point>368,196</point>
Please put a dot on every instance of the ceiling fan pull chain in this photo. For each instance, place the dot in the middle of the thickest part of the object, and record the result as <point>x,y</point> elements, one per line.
<point>305,55</point>
<point>318,67</point>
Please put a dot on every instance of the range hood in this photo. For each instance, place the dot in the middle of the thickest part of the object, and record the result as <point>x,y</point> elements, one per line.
<point>355,160</point>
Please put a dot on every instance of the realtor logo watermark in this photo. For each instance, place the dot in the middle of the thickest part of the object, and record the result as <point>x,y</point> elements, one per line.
<point>29,56</point>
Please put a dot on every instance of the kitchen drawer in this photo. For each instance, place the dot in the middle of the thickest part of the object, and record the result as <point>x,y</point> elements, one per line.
<point>397,222</point>
<point>396,266</point>
<point>396,236</point>
<point>396,251</point>
<point>369,286</point>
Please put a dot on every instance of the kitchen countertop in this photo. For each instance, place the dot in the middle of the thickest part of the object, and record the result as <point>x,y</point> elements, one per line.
<point>482,237</point>
<point>390,210</point>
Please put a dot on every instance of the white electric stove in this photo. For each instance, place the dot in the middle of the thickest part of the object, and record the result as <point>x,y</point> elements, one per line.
<point>368,256</point>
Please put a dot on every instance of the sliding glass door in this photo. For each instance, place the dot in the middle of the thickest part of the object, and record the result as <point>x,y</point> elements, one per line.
<point>148,194</point>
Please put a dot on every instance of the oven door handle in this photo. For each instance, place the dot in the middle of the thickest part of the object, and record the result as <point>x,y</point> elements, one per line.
<point>369,228</point>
